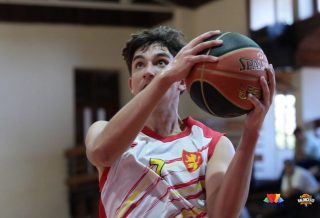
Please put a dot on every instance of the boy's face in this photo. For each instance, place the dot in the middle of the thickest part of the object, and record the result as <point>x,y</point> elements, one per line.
<point>146,64</point>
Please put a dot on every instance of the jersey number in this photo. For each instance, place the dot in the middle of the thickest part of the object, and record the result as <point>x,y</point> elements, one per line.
<point>159,164</point>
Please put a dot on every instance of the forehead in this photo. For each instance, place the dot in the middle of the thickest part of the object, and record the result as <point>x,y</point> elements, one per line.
<point>153,49</point>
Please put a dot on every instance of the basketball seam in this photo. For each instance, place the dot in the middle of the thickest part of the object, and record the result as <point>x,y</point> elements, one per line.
<point>239,49</point>
<point>219,90</point>
<point>201,84</point>
<point>229,74</point>
<point>226,33</point>
<point>202,91</point>
<point>254,45</point>
<point>219,37</point>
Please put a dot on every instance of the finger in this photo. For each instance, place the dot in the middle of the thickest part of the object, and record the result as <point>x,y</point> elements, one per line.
<point>265,91</point>
<point>202,38</point>
<point>272,80</point>
<point>255,101</point>
<point>202,58</point>
<point>205,45</point>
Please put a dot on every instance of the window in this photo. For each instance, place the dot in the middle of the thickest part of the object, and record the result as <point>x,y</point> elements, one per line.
<point>269,12</point>
<point>284,11</point>
<point>285,120</point>
<point>305,9</point>
<point>261,13</point>
<point>96,98</point>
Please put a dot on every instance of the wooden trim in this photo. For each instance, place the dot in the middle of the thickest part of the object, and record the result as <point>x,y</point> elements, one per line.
<point>84,16</point>
<point>76,151</point>
<point>248,17</point>
<point>184,3</point>
<point>75,181</point>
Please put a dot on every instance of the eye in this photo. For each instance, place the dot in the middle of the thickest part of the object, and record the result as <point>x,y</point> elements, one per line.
<point>139,65</point>
<point>162,63</point>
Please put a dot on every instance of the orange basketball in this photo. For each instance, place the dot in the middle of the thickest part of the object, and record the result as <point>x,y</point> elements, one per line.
<point>221,88</point>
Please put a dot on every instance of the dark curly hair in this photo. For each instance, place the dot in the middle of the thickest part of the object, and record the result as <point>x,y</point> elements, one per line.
<point>164,35</point>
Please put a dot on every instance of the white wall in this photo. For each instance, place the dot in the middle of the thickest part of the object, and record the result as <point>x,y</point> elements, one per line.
<point>36,113</point>
<point>226,15</point>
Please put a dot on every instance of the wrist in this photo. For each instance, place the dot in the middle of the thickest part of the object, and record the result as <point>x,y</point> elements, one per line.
<point>251,133</point>
<point>165,79</point>
<point>249,140</point>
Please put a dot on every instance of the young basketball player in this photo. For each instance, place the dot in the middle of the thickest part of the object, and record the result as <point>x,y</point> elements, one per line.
<point>151,163</point>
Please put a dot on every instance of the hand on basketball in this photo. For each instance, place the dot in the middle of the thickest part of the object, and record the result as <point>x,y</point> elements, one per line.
<point>189,55</point>
<point>256,116</point>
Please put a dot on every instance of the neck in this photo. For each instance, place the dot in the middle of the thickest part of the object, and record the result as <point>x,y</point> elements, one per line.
<point>165,123</point>
<point>164,120</point>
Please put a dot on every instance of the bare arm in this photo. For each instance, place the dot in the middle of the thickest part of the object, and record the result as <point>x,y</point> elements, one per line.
<point>228,175</point>
<point>105,145</point>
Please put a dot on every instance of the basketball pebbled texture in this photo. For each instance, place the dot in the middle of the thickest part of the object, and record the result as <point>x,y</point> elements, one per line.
<point>221,88</point>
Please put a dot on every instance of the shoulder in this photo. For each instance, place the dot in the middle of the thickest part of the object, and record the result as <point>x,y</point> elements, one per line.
<point>98,124</point>
<point>94,131</point>
<point>221,157</point>
<point>206,130</point>
<point>223,153</point>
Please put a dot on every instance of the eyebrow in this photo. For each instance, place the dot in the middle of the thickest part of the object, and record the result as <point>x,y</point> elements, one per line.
<point>160,54</point>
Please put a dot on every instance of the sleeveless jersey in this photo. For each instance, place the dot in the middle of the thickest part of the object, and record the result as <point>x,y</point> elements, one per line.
<point>160,176</point>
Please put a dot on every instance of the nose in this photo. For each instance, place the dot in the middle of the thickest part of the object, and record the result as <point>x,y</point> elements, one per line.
<point>149,72</point>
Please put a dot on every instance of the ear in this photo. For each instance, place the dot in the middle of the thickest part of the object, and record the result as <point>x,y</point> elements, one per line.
<point>130,84</point>
<point>182,86</point>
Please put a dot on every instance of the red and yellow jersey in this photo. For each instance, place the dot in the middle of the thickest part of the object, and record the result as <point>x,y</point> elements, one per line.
<point>160,177</point>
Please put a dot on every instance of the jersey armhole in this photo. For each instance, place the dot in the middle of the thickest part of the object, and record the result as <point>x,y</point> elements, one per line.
<point>212,145</point>
<point>102,181</point>
<point>103,178</point>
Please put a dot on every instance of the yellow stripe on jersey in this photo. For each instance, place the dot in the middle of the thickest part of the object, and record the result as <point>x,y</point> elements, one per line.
<point>127,203</point>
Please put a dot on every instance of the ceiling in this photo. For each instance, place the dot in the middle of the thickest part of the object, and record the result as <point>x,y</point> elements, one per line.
<point>135,13</point>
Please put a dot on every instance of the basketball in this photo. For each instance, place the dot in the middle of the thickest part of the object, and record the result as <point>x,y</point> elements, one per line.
<point>221,88</point>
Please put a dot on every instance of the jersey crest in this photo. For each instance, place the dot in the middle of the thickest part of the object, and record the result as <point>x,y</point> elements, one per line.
<point>192,160</point>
